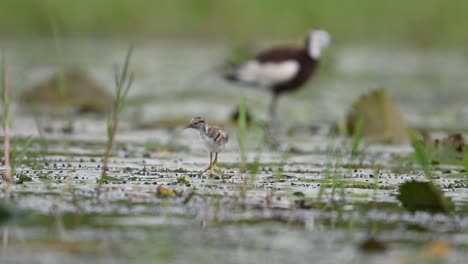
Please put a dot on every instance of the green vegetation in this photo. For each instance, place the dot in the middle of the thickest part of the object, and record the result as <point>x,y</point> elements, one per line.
<point>357,137</point>
<point>422,23</point>
<point>6,174</point>
<point>242,131</point>
<point>123,82</point>
<point>422,155</point>
<point>465,162</point>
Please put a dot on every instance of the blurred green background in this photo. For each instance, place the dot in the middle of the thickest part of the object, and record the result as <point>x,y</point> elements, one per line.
<point>416,23</point>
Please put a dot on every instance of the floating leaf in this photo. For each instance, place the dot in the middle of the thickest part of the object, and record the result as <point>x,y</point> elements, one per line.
<point>299,194</point>
<point>423,196</point>
<point>373,245</point>
<point>380,118</point>
<point>183,179</point>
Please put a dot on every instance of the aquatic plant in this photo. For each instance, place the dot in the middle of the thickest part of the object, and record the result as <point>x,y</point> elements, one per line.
<point>422,154</point>
<point>242,134</point>
<point>465,162</point>
<point>357,136</point>
<point>11,155</point>
<point>123,82</point>
<point>6,115</point>
<point>328,166</point>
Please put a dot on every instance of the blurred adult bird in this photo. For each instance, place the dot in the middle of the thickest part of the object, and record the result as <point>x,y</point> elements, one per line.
<point>282,69</point>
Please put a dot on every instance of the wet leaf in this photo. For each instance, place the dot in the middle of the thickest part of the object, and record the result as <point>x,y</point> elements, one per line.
<point>380,116</point>
<point>299,194</point>
<point>373,245</point>
<point>23,178</point>
<point>423,196</point>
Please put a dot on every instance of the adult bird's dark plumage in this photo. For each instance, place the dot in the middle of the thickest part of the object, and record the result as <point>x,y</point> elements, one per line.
<point>282,69</point>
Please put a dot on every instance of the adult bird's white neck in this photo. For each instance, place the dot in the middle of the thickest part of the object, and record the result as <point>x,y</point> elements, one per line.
<point>318,39</point>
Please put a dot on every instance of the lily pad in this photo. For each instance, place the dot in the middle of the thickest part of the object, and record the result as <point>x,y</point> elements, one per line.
<point>79,91</point>
<point>381,118</point>
<point>424,196</point>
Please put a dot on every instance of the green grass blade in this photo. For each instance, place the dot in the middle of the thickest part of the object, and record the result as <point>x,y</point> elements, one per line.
<point>357,136</point>
<point>465,162</point>
<point>242,132</point>
<point>421,154</point>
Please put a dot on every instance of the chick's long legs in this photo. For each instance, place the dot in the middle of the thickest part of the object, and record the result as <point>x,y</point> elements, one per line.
<point>211,164</point>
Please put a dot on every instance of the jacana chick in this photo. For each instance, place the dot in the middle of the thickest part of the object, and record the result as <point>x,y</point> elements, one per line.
<point>214,139</point>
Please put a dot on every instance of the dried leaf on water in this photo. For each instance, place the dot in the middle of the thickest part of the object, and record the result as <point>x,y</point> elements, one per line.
<point>437,249</point>
<point>373,245</point>
<point>80,91</point>
<point>380,116</point>
<point>164,192</point>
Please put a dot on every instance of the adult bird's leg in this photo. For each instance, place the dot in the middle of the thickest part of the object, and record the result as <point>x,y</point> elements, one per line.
<point>211,164</point>
<point>273,123</point>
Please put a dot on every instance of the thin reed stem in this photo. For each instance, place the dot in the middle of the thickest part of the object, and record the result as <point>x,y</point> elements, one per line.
<point>123,82</point>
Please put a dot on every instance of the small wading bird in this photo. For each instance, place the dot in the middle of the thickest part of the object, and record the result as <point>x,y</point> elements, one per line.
<point>213,137</point>
<point>282,69</point>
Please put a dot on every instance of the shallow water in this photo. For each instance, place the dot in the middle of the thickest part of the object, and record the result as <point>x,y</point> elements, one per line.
<point>274,217</point>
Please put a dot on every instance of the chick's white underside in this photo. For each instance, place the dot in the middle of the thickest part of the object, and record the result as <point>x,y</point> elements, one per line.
<point>210,144</point>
